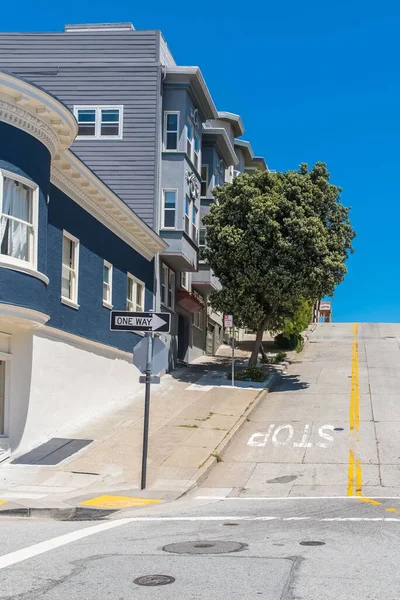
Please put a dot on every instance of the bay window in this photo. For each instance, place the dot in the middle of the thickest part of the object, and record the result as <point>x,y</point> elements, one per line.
<point>171,127</point>
<point>18,220</point>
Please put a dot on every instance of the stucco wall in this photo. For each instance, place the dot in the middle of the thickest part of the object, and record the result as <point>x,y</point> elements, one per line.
<point>57,384</point>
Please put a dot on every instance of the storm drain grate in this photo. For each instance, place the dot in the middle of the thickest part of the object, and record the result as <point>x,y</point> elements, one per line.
<point>52,452</point>
<point>153,580</point>
<point>205,547</point>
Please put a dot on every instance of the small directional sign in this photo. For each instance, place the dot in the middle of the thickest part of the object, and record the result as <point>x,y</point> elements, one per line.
<point>122,320</point>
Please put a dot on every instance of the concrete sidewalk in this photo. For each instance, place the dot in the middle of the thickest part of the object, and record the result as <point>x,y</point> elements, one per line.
<point>194,414</point>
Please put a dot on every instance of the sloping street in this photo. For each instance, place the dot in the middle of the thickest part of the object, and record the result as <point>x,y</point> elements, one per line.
<point>305,503</point>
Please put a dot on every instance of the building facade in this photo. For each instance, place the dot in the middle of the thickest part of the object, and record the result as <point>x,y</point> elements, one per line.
<point>70,251</point>
<point>150,131</point>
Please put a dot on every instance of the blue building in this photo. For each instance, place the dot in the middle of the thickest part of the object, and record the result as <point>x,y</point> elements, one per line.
<point>70,251</point>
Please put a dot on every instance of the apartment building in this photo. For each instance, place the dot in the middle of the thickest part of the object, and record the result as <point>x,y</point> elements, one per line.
<point>70,250</point>
<point>151,132</point>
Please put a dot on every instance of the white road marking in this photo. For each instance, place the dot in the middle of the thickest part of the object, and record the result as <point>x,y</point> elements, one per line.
<point>31,551</point>
<point>305,443</point>
<point>275,440</point>
<point>260,438</point>
<point>24,553</point>
<point>358,498</point>
<point>16,495</point>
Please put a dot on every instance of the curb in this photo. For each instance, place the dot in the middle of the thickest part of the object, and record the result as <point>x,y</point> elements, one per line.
<point>75,513</point>
<point>209,463</point>
<point>80,513</point>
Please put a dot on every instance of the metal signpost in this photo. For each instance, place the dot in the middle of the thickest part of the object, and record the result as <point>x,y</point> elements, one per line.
<point>144,322</point>
<point>228,322</point>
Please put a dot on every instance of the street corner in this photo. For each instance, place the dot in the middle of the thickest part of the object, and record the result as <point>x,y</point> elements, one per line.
<point>119,501</point>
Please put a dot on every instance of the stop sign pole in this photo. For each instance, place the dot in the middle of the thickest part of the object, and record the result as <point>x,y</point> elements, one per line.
<point>147,322</point>
<point>146,409</point>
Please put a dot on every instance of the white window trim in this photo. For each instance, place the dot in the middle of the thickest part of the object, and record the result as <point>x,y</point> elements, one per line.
<point>105,303</point>
<point>163,226</point>
<point>73,303</point>
<point>6,357</point>
<point>171,112</point>
<point>98,108</point>
<point>140,282</point>
<point>169,271</point>
<point>185,287</point>
<point>195,224</point>
<point>9,261</point>
<point>197,153</point>
<point>202,319</point>
<point>205,180</point>
<point>191,155</point>
<point>185,214</point>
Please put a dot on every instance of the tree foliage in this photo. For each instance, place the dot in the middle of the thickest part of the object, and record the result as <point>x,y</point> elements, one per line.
<point>274,239</point>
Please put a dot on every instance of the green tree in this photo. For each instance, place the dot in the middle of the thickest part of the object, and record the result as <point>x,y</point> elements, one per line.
<point>273,239</point>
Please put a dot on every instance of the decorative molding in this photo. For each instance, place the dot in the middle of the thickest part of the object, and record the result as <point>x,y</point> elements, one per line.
<point>85,200</point>
<point>27,270</point>
<point>194,187</point>
<point>21,118</point>
<point>20,315</point>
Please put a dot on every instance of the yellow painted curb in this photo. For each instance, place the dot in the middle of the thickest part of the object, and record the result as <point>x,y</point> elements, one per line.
<point>108,501</point>
<point>3,502</point>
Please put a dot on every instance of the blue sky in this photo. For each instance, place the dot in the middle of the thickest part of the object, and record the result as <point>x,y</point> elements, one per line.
<point>312,81</point>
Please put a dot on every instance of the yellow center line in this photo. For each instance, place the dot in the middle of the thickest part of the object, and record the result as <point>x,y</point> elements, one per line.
<point>351,470</point>
<point>354,484</point>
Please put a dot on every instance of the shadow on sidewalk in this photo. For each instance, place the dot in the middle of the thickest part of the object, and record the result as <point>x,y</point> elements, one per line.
<point>290,383</point>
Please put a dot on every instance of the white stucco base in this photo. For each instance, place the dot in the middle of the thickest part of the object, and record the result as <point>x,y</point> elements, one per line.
<point>55,381</point>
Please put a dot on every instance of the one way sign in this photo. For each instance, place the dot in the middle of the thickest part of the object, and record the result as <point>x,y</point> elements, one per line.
<point>139,321</point>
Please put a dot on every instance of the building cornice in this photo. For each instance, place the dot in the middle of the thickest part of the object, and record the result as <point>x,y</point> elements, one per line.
<point>223,143</point>
<point>21,316</point>
<point>234,120</point>
<point>29,108</point>
<point>193,77</point>
<point>78,182</point>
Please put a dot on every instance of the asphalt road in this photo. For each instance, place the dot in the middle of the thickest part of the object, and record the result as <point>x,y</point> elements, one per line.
<point>244,530</point>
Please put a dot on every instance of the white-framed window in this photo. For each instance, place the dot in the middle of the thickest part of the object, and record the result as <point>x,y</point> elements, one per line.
<point>185,280</point>
<point>171,130</point>
<point>198,319</point>
<point>134,294</point>
<point>197,151</point>
<point>189,141</point>
<point>204,180</point>
<point>187,214</point>
<point>194,222</point>
<point>169,209</point>
<point>18,220</point>
<point>99,122</point>
<point>107,284</point>
<point>202,238</point>
<point>167,286</point>
<point>70,270</point>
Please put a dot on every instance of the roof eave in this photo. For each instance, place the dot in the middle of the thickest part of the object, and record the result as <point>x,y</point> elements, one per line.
<point>194,77</point>
<point>224,144</point>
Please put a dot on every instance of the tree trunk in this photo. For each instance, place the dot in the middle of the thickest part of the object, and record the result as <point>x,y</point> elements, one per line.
<point>263,353</point>
<point>257,344</point>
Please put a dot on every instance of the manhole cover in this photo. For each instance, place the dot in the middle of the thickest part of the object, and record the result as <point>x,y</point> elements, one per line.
<point>205,547</point>
<point>311,543</point>
<point>152,580</point>
<point>338,429</point>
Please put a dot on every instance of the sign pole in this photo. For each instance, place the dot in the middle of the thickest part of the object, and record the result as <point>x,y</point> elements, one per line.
<point>233,352</point>
<point>146,409</point>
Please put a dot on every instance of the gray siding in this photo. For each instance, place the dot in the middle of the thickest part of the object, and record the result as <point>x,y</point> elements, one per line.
<point>102,68</point>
